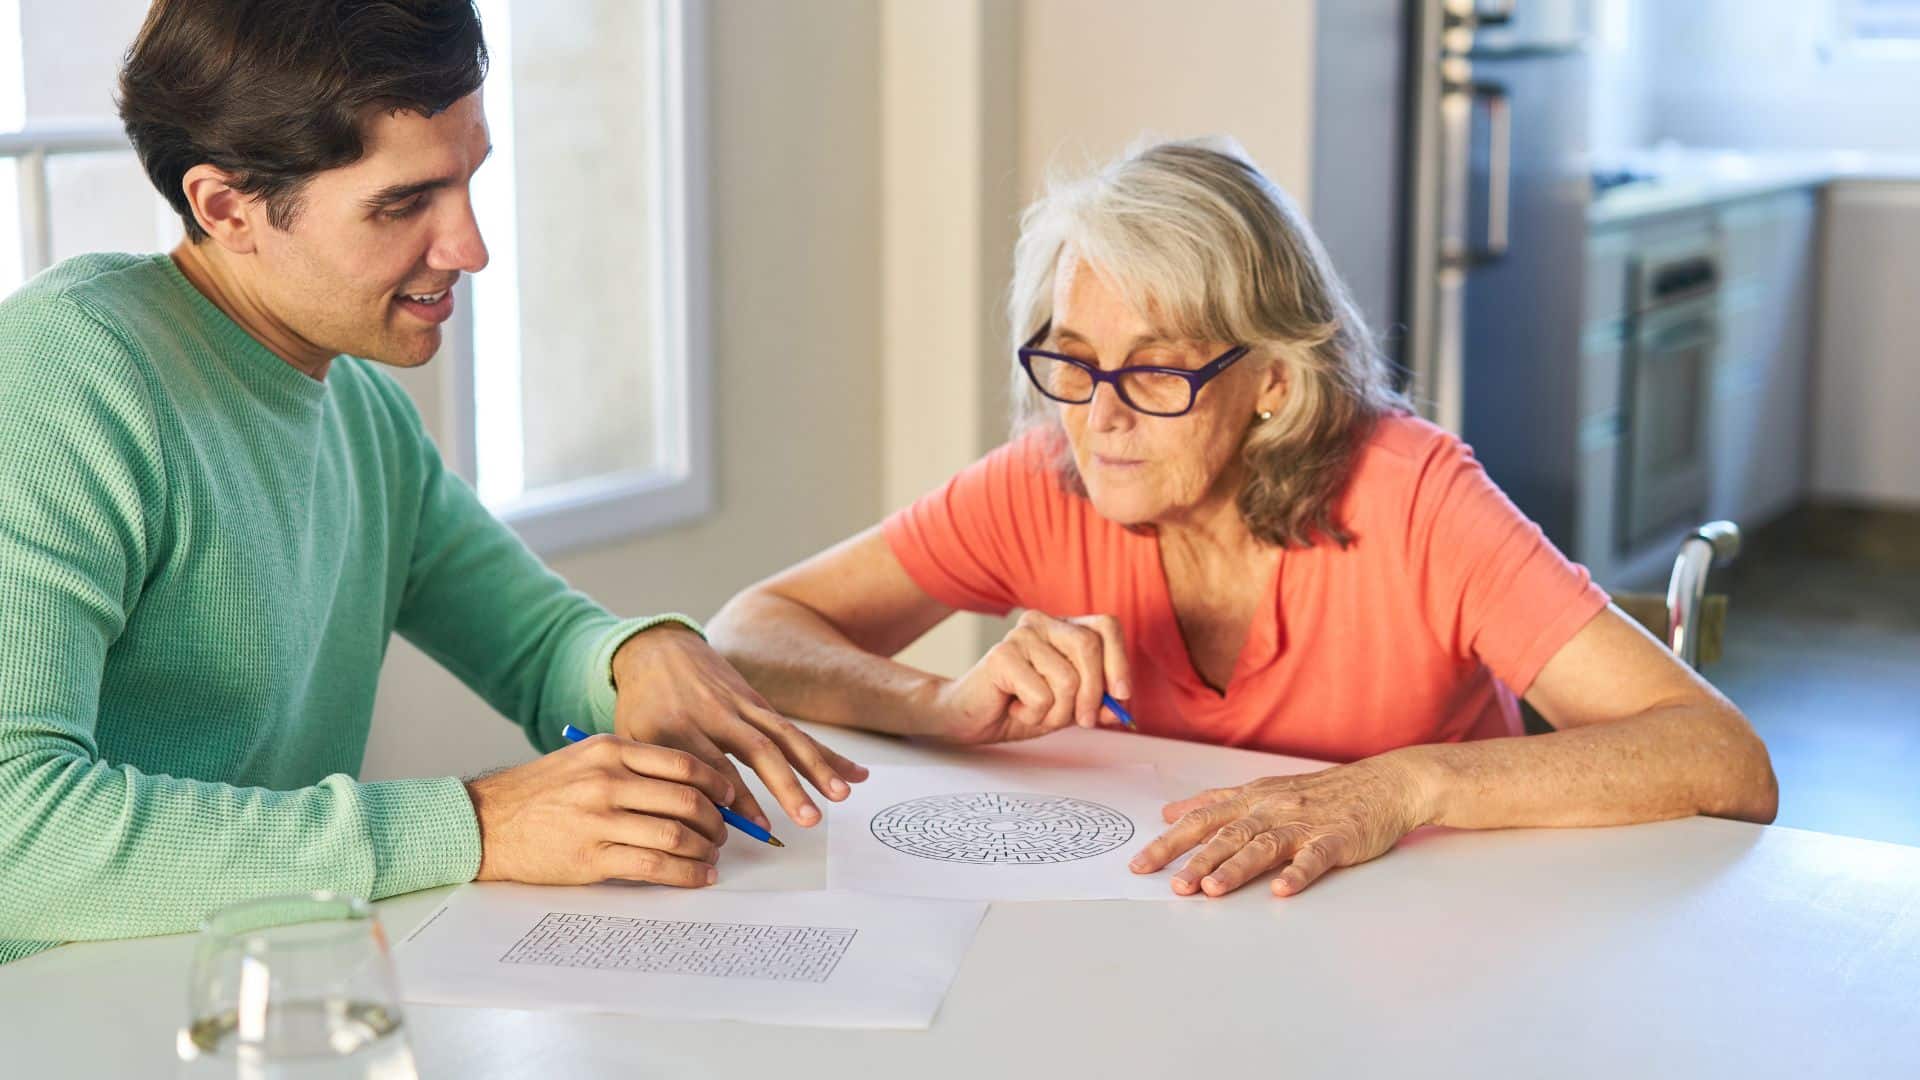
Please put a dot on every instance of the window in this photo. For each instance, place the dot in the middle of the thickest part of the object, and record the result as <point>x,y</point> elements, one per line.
<point>1877,29</point>
<point>583,375</point>
<point>578,359</point>
<point>69,183</point>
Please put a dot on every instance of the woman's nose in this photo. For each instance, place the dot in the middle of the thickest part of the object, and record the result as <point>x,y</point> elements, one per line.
<point>1106,411</point>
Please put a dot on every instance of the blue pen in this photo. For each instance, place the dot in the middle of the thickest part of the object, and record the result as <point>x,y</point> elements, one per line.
<point>1117,709</point>
<point>574,734</point>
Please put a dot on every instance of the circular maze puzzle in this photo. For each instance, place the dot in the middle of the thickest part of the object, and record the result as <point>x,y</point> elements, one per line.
<point>1001,828</point>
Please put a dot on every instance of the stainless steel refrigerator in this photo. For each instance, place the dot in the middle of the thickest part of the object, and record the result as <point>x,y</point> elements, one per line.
<point>1494,246</point>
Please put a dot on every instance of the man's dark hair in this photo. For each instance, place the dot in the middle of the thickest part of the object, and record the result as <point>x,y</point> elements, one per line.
<point>273,91</point>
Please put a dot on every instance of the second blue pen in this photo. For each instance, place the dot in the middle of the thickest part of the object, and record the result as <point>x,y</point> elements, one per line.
<point>574,734</point>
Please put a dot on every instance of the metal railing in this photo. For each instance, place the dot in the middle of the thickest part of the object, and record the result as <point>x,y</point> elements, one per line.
<point>1716,543</point>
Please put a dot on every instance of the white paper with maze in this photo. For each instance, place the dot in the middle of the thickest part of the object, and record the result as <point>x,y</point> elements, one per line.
<point>998,832</point>
<point>815,958</point>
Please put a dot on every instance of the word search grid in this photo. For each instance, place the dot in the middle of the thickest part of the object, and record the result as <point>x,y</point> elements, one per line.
<point>666,946</point>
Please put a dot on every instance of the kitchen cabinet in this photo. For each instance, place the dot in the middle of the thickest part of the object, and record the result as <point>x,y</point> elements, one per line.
<point>1759,417</point>
<point>1603,348</point>
<point>1867,431</point>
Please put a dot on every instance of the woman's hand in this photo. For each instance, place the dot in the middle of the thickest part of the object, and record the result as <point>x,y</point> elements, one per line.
<point>1309,824</point>
<point>671,689</point>
<point>1046,674</point>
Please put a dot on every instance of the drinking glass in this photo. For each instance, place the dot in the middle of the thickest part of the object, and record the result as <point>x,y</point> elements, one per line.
<point>291,988</point>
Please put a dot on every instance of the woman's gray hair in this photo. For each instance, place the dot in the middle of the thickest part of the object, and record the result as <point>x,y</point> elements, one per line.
<point>1201,242</point>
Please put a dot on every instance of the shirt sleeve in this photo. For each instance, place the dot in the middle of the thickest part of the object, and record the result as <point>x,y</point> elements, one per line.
<point>91,848</point>
<point>488,610</point>
<point>975,542</point>
<point>1492,586</point>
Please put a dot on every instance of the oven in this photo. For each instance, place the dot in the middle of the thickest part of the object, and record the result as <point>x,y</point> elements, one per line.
<point>1668,388</point>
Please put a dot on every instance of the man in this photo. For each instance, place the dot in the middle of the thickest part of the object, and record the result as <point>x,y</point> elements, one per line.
<point>214,510</point>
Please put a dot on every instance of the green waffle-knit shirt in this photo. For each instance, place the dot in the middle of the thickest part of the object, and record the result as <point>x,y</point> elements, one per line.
<point>203,553</point>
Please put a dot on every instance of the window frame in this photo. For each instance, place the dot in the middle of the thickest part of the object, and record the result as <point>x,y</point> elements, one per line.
<point>1845,46</point>
<point>30,147</point>
<point>680,488</point>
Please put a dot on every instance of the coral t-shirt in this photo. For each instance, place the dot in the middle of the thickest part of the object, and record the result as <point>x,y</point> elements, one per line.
<point>1446,604</point>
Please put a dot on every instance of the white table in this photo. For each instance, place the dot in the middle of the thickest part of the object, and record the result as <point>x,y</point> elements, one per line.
<point>1693,948</point>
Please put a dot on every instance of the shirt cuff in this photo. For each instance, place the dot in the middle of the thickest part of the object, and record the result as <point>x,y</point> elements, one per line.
<point>424,834</point>
<point>600,693</point>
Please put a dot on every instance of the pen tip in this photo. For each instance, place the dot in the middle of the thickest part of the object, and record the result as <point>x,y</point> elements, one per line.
<point>775,841</point>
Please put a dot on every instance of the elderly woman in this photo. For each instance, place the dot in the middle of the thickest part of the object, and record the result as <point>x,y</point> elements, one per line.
<point>1216,509</point>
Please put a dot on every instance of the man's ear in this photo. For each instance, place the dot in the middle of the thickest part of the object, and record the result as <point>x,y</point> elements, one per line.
<point>230,217</point>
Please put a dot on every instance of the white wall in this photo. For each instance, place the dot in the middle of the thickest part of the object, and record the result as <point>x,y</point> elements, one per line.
<point>1760,74</point>
<point>1618,120</point>
<point>947,93</point>
<point>795,174</point>
<point>1095,74</point>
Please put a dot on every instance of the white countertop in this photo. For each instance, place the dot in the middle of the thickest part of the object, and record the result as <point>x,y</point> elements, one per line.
<point>1685,178</point>
<point>1698,948</point>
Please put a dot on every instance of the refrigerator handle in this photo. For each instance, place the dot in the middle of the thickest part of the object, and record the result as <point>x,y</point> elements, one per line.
<point>1498,13</point>
<point>1457,108</point>
<point>1499,168</point>
<point>1473,14</point>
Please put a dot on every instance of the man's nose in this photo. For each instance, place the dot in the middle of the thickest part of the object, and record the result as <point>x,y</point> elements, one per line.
<point>461,248</point>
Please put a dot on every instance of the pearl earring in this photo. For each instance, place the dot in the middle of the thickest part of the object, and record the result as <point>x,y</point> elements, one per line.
<point>1265,414</point>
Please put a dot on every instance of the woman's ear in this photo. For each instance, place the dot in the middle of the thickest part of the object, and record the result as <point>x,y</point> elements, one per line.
<point>1272,392</point>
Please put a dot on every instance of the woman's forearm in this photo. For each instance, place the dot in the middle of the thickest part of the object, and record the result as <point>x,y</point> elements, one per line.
<point>807,668</point>
<point>1698,757</point>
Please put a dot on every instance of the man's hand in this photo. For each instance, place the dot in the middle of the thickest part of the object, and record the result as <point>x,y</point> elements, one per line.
<point>673,690</point>
<point>603,808</point>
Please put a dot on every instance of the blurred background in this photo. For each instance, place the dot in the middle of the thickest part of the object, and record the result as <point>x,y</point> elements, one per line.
<point>1653,260</point>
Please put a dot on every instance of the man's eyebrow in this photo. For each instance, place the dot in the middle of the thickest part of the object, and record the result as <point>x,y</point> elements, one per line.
<point>405,190</point>
<point>401,192</point>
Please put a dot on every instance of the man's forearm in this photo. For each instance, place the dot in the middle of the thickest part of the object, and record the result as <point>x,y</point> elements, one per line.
<point>1668,762</point>
<point>807,668</point>
<point>93,851</point>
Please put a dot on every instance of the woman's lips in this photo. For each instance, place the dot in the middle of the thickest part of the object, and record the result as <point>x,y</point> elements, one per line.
<point>1107,462</point>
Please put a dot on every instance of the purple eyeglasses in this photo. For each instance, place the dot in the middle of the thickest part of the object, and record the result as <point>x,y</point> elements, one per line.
<point>1156,391</point>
